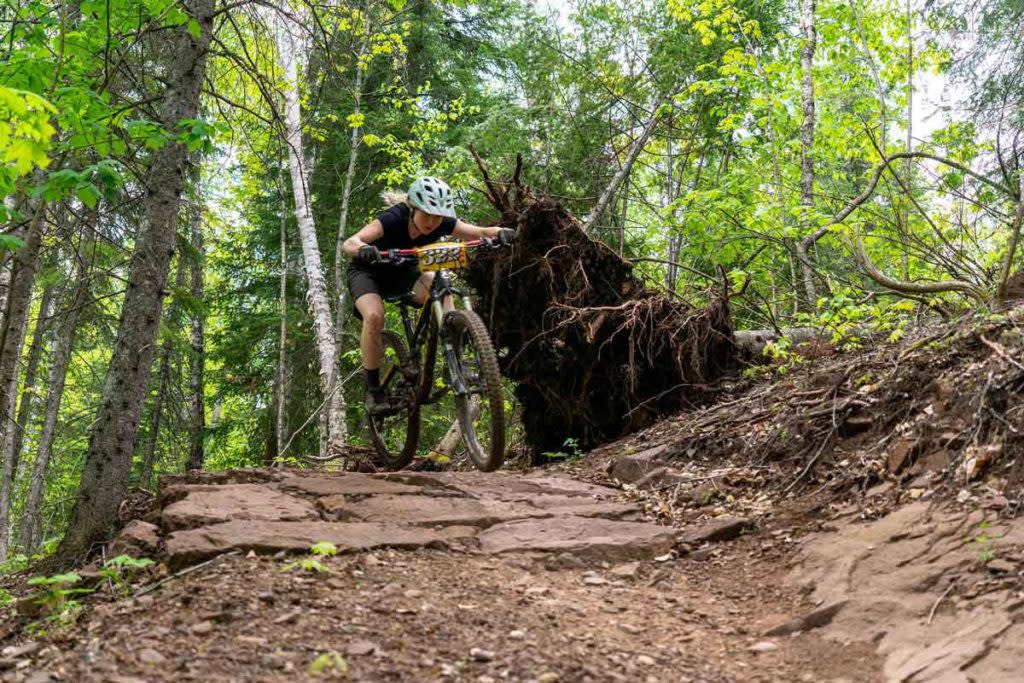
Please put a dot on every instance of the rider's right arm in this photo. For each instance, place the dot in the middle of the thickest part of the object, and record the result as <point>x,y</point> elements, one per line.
<point>369,233</point>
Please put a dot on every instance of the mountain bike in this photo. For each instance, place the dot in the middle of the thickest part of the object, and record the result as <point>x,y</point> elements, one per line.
<point>470,365</point>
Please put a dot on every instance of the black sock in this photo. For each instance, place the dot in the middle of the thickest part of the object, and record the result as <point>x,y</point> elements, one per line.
<point>372,378</point>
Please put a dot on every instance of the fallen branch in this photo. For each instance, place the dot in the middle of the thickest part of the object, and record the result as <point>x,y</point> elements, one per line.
<point>935,606</point>
<point>153,586</point>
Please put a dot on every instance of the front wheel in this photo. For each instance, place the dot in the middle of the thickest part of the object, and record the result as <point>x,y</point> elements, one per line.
<point>480,407</point>
<point>396,434</point>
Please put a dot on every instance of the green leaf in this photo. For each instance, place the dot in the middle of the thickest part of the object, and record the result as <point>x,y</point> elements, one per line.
<point>324,548</point>
<point>194,29</point>
<point>88,195</point>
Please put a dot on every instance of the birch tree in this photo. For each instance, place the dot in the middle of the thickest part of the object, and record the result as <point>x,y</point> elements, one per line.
<point>289,44</point>
<point>810,237</point>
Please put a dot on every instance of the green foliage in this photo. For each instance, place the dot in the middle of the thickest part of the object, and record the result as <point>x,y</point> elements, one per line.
<point>25,134</point>
<point>984,543</point>
<point>324,549</point>
<point>571,451</point>
<point>330,663</point>
<point>56,596</point>
<point>118,571</point>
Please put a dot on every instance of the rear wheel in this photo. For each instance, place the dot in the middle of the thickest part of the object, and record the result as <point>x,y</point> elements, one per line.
<point>480,408</point>
<point>396,434</point>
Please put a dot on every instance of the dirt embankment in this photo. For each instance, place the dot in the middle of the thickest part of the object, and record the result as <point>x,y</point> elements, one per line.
<point>901,470</point>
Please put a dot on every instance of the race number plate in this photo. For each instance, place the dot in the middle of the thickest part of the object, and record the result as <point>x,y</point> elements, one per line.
<point>442,257</point>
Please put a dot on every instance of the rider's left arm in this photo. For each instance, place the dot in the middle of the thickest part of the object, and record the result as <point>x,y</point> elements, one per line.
<point>471,232</point>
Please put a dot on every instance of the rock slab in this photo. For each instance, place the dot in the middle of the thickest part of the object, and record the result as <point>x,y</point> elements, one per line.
<point>495,512</point>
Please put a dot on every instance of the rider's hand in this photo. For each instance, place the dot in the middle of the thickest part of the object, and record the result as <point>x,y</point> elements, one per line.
<point>505,236</point>
<point>369,253</point>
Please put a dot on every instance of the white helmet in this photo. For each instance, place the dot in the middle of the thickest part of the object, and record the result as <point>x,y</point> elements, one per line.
<point>433,196</point>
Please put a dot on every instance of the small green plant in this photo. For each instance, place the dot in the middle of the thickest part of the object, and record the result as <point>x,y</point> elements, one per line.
<point>985,543</point>
<point>312,564</point>
<point>864,380</point>
<point>118,569</point>
<point>14,563</point>
<point>571,451</point>
<point>329,662</point>
<point>324,548</point>
<point>57,596</point>
<point>306,564</point>
<point>784,358</point>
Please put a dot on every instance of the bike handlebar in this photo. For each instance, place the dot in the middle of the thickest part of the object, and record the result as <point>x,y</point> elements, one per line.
<point>398,256</point>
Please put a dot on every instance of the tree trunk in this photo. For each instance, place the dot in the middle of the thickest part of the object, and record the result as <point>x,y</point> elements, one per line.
<point>340,288</point>
<point>281,376</point>
<point>31,520</point>
<point>28,391</point>
<point>323,324</point>
<point>114,434</point>
<point>634,152</point>
<point>625,215</point>
<point>19,298</point>
<point>1011,247</point>
<point>908,166</point>
<point>807,150</point>
<point>672,271</point>
<point>6,265</point>
<point>156,414</point>
<point>197,364</point>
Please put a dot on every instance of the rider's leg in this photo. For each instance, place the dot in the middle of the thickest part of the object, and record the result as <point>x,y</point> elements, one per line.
<point>371,308</point>
<point>421,290</point>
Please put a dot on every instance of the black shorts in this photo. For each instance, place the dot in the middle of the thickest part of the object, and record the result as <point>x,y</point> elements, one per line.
<point>395,283</point>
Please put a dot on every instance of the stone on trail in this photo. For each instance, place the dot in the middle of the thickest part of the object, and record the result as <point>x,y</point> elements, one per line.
<point>518,516</point>
<point>723,528</point>
<point>194,545</point>
<point>587,538</point>
<point>631,468</point>
<point>137,538</point>
<point>203,505</point>
<point>814,619</point>
<point>431,510</point>
<point>763,646</point>
<point>346,484</point>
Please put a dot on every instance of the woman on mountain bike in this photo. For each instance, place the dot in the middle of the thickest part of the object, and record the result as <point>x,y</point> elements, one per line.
<point>423,216</point>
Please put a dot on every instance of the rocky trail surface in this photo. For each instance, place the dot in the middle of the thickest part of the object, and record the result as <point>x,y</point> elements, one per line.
<point>536,577</point>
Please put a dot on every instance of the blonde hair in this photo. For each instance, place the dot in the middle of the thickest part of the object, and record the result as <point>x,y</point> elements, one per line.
<point>391,197</point>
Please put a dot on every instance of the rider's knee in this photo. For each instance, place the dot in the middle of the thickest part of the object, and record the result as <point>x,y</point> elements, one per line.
<point>374,319</point>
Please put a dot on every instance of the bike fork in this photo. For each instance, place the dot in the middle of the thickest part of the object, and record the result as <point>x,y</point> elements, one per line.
<point>450,359</point>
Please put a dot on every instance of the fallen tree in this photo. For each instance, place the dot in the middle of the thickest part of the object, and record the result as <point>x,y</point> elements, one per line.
<point>594,354</point>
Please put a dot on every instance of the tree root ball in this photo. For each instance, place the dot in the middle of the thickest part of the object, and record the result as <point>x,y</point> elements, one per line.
<point>593,353</point>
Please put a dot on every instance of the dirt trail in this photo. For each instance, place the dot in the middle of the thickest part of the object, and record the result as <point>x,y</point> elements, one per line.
<point>537,577</point>
<point>441,577</point>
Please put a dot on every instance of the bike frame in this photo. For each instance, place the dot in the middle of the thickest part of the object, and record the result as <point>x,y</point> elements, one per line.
<point>423,334</point>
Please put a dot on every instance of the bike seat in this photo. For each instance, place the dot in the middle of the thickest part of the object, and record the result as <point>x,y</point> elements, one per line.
<point>403,299</point>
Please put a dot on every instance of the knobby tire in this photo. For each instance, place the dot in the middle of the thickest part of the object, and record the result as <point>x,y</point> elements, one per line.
<point>395,437</point>
<point>483,376</point>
